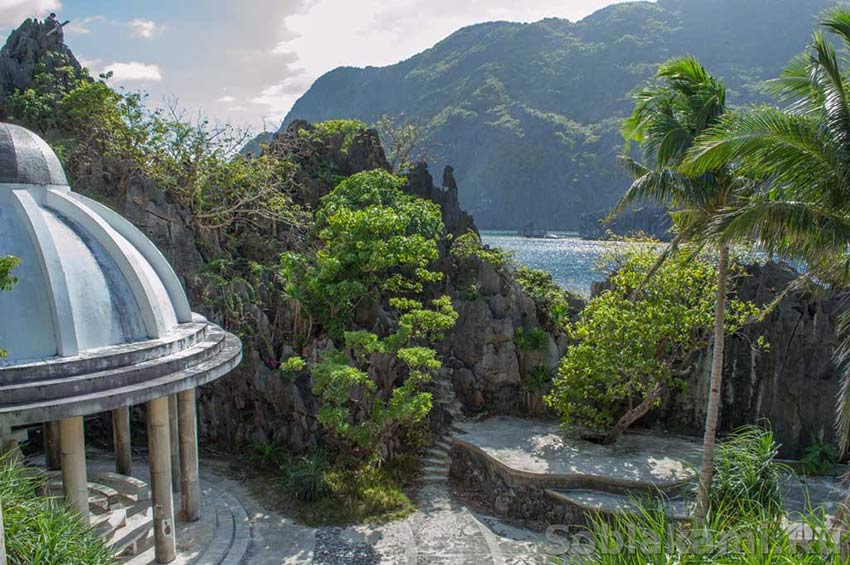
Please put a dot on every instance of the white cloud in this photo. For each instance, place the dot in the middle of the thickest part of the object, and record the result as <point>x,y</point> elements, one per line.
<point>227,99</point>
<point>146,29</point>
<point>133,71</point>
<point>13,12</point>
<point>82,25</point>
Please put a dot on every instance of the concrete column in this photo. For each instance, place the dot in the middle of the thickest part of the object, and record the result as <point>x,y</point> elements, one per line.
<point>159,454</point>
<point>173,428</point>
<point>52,452</point>
<point>74,479</point>
<point>121,441</point>
<point>190,486</point>
<point>2,538</point>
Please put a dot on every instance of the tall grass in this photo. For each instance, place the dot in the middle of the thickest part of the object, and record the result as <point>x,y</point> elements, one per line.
<point>40,530</point>
<point>745,525</point>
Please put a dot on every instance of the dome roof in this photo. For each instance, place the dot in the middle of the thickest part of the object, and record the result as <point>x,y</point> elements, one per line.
<point>26,159</point>
<point>88,279</point>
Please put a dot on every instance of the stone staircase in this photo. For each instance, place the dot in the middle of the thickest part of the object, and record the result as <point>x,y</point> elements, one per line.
<point>120,510</point>
<point>436,460</point>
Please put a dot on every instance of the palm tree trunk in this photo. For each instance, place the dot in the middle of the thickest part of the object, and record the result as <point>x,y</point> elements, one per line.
<point>711,416</point>
<point>657,265</point>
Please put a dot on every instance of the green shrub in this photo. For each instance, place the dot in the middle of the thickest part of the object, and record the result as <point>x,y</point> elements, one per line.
<point>555,306</point>
<point>747,480</point>
<point>534,339</point>
<point>468,246</point>
<point>652,537</point>
<point>627,353</point>
<point>538,379</point>
<point>41,530</point>
<point>305,478</point>
<point>323,132</point>
<point>818,459</point>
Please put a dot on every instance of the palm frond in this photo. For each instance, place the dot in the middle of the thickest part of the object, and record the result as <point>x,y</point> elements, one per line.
<point>793,150</point>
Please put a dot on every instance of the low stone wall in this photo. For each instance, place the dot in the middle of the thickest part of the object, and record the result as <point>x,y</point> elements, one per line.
<point>506,492</point>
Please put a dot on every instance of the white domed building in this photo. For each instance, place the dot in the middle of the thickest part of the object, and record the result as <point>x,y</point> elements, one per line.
<point>97,322</point>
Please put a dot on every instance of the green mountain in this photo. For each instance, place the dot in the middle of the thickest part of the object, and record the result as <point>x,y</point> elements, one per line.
<point>529,114</point>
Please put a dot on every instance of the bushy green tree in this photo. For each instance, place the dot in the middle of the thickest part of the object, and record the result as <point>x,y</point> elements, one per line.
<point>628,353</point>
<point>374,247</point>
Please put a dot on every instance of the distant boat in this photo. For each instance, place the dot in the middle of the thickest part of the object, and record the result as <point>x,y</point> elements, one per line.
<point>530,231</point>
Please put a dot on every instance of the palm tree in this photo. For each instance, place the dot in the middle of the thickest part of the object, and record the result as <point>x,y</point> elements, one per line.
<point>802,152</point>
<point>667,119</point>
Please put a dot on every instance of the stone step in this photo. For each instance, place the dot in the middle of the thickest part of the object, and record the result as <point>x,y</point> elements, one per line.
<point>593,501</point>
<point>443,445</point>
<point>435,470</point>
<point>434,478</point>
<point>98,503</point>
<point>123,484</point>
<point>106,524</point>
<point>134,537</point>
<point>436,461</point>
<point>112,496</point>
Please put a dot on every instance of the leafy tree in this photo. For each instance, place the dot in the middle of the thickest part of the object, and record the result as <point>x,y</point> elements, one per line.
<point>35,107</point>
<point>629,354</point>
<point>685,102</point>
<point>374,245</point>
<point>405,141</point>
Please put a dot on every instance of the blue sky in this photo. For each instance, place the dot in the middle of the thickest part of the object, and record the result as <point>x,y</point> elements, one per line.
<point>247,62</point>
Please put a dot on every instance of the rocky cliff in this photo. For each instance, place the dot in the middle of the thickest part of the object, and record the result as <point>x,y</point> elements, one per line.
<point>483,367</point>
<point>792,386</point>
<point>35,43</point>
<point>653,222</point>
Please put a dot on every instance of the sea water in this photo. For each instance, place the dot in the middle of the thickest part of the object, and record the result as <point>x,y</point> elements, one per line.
<point>573,262</point>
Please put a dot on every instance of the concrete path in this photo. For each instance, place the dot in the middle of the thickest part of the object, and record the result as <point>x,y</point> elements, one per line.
<point>443,531</point>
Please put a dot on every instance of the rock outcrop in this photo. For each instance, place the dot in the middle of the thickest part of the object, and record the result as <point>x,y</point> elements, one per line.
<point>653,222</point>
<point>793,385</point>
<point>35,43</point>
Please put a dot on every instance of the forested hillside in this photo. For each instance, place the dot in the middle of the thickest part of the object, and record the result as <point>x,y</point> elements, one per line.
<point>529,114</point>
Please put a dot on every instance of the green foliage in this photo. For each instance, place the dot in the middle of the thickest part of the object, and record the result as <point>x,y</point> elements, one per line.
<point>374,240</point>
<point>538,379</point>
<point>404,141</point>
<point>293,365</point>
<point>555,306</point>
<point>746,479</point>
<point>533,339</point>
<point>374,245</point>
<point>626,353</point>
<point>650,536</point>
<point>41,530</point>
<point>306,478</point>
<point>36,106</point>
<point>746,523</point>
<point>87,122</point>
<point>325,131</point>
<point>335,489</point>
<point>818,459</point>
<point>468,247</point>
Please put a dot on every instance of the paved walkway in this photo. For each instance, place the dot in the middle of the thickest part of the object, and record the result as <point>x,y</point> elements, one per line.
<point>540,447</point>
<point>443,531</point>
